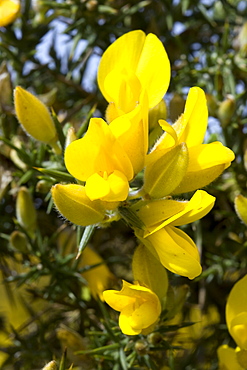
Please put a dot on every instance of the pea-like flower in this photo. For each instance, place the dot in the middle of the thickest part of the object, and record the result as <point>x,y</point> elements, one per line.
<point>172,246</point>
<point>205,161</point>
<point>139,307</point>
<point>9,10</point>
<point>132,64</point>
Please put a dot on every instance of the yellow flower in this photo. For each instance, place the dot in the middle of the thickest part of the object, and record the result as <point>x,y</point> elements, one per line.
<point>9,10</point>
<point>132,64</point>
<point>205,161</point>
<point>172,246</point>
<point>236,313</point>
<point>140,307</point>
<point>106,157</point>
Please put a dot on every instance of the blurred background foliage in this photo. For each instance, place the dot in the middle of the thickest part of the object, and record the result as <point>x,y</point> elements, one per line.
<point>53,49</point>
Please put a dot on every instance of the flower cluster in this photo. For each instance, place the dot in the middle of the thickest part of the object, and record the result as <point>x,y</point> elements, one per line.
<point>133,76</point>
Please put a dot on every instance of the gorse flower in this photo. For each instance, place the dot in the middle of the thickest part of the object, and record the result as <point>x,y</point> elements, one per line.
<point>205,161</point>
<point>140,307</point>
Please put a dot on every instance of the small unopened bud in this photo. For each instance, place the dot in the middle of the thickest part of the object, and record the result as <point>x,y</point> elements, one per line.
<point>43,186</point>
<point>91,5</point>
<point>176,107</point>
<point>35,118</point>
<point>52,365</point>
<point>19,241</point>
<point>155,338</point>
<point>71,136</point>
<point>226,110</point>
<point>212,105</point>
<point>5,85</point>
<point>141,347</point>
<point>25,211</point>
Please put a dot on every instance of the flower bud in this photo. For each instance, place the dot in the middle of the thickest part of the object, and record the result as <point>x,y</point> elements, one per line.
<point>50,366</point>
<point>212,105</point>
<point>226,110</point>
<point>43,186</point>
<point>71,136</point>
<point>5,85</point>
<point>19,241</point>
<point>141,347</point>
<point>242,39</point>
<point>165,174</point>
<point>148,271</point>
<point>35,118</point>
<point>25,211</point>
<point>240,204</point>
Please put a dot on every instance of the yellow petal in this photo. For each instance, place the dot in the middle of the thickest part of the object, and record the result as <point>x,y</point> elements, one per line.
<point>147,314</point>
<point>98,151</point>
<point>144,56</point>
<point>227,358</point>
<point>200,204</point>
<point>34,116</point>
<point>125,321</point>
<point>176,251</point>
<point>206,163</point>
<point>157,211</point>
<point>240,204</point>
<point>236,309</point>
<point>148,271</point>
<point>124,53</point>
<point>193,126</point>
<point>9,10</point>
<point>111,188</point>
<point>73,203</point>
<point>209,155</point>
<point>238,330</point>
<point>153,69</point>
<point>125,89</point>
<point>131,130</point>
<point>164,175</point>
<point>175,213</point>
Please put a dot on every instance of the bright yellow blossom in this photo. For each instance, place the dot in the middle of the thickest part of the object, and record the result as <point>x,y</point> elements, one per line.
<point>172,246</point>
<point>236,313</point>
<point>9,10</point>
<point>132,64</point>
<point>205,161</point>
<point>140,307</point>
<point>106,157</point>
